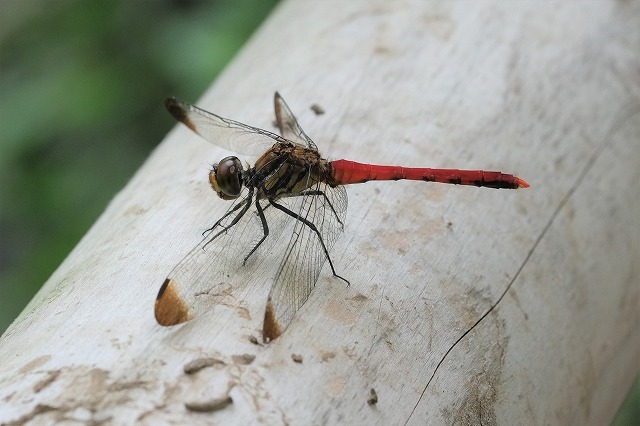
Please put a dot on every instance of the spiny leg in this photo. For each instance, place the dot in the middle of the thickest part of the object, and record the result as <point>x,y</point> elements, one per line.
<point>235,219</point>
<point>313,227</point>
<point>318,192</point>
<point>265,229</point>
<point>227,214</point>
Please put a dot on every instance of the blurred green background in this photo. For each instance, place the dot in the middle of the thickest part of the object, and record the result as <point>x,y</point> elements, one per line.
<point>81,90</point>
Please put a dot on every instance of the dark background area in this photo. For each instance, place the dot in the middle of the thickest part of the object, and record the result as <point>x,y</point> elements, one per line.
<point>81,90</point>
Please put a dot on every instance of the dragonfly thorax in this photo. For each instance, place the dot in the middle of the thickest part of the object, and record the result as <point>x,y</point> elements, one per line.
<point>226,178</point>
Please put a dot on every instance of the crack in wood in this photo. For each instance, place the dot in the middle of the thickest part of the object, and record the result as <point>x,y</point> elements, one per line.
<point>623,117</point>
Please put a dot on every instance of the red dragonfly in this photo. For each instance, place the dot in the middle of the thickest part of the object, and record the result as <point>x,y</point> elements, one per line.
<point>290,182</point>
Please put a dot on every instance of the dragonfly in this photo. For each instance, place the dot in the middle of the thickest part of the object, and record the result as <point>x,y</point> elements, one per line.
<point>291,186</point>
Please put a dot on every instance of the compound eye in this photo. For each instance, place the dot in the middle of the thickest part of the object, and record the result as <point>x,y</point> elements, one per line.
<point>226,178</point>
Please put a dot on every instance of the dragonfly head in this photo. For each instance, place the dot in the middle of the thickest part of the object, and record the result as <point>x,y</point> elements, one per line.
<point>226,178</point>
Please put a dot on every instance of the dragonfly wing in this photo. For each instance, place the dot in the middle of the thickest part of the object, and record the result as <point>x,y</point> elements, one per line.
<point>229,134</point>
<point>288,125</point>
<point>213,275</point>
<point>305,255</point>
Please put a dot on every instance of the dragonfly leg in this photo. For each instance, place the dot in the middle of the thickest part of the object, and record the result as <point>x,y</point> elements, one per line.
<point>235,220</point>
<point>313,227</point>
<point>265,229</point>
<point>227,214</point>
<point>317,192</point>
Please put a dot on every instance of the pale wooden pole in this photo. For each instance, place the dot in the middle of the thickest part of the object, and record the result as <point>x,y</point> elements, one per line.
<point>466,305</point>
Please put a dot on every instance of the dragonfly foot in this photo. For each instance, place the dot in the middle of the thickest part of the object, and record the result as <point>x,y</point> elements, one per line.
<point>343,279</point>
<point>208,231</point>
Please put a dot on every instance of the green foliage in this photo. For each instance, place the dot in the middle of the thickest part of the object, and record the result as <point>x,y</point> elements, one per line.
<point>629,413</point>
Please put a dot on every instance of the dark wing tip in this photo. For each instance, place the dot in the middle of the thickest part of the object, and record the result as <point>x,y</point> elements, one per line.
<point>170,308</point>
<point>271,328</point>
<point>179,111</point>
<point>277,107</point>
<point>175,108</point>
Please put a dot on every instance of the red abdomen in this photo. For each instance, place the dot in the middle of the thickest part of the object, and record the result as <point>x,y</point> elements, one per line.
<point>345,172</point>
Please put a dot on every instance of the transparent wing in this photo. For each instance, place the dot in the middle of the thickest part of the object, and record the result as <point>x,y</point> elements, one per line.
<point>325,207</point>
<point>288,125</point>
<point>220,131</point>
<point>212,275</point>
